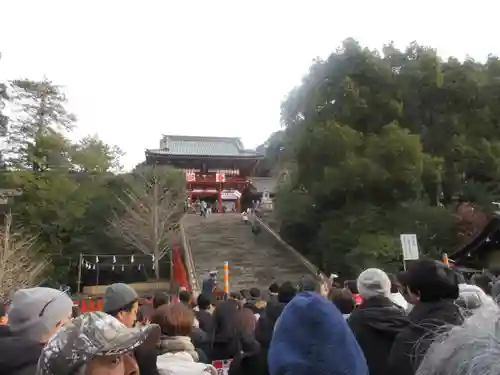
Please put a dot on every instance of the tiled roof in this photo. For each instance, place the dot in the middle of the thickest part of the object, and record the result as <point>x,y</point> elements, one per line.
<point>202,146</point>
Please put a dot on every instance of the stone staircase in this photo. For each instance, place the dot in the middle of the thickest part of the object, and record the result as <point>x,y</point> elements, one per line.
<point>254,260</point>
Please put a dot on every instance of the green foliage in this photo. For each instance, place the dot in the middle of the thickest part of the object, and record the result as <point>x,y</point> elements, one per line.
<point>69,189</point>
<point>384,144</point>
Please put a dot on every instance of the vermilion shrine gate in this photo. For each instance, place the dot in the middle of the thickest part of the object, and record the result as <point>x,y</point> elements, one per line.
<point>215,167</point>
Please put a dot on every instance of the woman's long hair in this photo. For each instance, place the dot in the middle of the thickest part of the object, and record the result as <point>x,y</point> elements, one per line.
<point>247,322</point>
<point>226,322</point>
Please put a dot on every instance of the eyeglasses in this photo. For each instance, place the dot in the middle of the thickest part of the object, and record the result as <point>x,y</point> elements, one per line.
<point>50,301</point>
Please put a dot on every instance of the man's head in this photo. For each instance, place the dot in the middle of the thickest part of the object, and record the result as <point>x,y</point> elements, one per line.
<point>483,281</point>
<point>286,292</point>
<point>343,299</point>
<point>3,314</point>
<point>94,344</point>
<point>373,282</point>
<point>273,289</point>
<point>431,281</point>
<point>160,298</point>
<point>186,297</point>
<point>122,302</point>
<point>204,303</point>
<point>36,313</point>
<point>308,284</point>
<point>254,293</point>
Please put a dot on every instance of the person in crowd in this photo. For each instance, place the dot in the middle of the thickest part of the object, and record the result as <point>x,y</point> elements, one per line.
<point>122,302</point>
<point>246,362</point>
<point>160,298</point>
<point>204,313</point>
<point>343,300</point>
<point>244,217</point>
<point>235,295</point>
<point>34,315</point>
<point>308,284</point>
<point>469,349</point>
<point>94,343</point>
<point>495,288</point>
<point>228,340</point>
<point>433,288</point>
<point>255,303</point>
<point>352,286</point>
<point>483,281</point>
<point>396,295</point>
<point>248,322</point>
<point>76,311</point>
<point>175,346</point>
<point>471,298</point>
<point>265,325</point>
<point>4,320</point>
<point>245,295</point>
<point>209,284</point>
<point>186,298</point>
<point>312,337</point>
<point>377,321</point>
<point>145,314</point>
<point>273,292</point>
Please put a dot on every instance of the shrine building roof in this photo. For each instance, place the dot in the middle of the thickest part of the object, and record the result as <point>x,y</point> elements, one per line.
<point>181,145</point>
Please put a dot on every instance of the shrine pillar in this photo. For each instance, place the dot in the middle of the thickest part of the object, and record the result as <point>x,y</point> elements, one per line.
<point>238,200</point>
<point>219,200</point>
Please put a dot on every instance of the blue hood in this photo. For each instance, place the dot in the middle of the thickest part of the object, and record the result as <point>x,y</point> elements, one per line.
<point>311,337</point>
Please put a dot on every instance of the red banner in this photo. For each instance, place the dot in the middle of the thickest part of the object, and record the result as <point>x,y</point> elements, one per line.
<point>179,271</point>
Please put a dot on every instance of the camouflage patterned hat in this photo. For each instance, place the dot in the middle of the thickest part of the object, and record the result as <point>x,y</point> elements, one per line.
<point>90,335</point>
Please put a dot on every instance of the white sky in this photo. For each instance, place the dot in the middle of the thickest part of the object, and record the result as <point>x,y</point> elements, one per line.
<point>134,70</point>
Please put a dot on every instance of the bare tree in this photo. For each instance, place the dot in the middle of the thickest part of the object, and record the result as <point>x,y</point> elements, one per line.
<point>153,206</point>
<point>20,265</point>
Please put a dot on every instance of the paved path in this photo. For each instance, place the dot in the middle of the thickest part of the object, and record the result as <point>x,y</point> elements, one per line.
<point>254,260</point>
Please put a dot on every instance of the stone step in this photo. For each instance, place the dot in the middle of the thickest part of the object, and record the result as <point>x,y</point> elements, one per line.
<point>254,260</point>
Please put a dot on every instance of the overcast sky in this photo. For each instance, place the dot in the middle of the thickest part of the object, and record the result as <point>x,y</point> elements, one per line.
<point>134,70</point>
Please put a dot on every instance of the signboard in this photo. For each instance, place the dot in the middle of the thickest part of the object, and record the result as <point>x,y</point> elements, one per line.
<point>230,194</point>
<point>222,367</point>
<point>410,246</point>
<point>190,177</point>
<point>220,177</point>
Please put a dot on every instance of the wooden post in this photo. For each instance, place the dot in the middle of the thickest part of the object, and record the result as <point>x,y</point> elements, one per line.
<point>79,281</point>
<point>226,278</point>
<point>219,198</point>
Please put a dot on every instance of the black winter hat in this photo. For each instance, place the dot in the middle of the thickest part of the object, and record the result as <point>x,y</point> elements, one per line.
<point>286,292</point>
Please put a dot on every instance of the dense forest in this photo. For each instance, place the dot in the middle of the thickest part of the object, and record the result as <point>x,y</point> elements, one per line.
<point>379,143</point>
<point>71,198</point>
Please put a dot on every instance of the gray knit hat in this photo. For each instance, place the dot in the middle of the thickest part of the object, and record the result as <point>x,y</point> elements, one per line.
<point>35,312</point>
<point>373,282</point>
<point>118,296</point>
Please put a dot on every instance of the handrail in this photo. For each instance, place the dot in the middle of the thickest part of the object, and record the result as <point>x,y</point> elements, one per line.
<point>310,267</point>
<point>188,257</point>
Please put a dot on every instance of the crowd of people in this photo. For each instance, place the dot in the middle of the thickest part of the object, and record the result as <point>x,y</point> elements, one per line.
<point>425,321</point>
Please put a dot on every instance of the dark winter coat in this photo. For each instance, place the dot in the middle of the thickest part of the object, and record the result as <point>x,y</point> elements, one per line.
<point>425,320</point>
<point>205,319</point>
<point>18,355</point>
<point>375,324</point>
<point>264,330</point>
